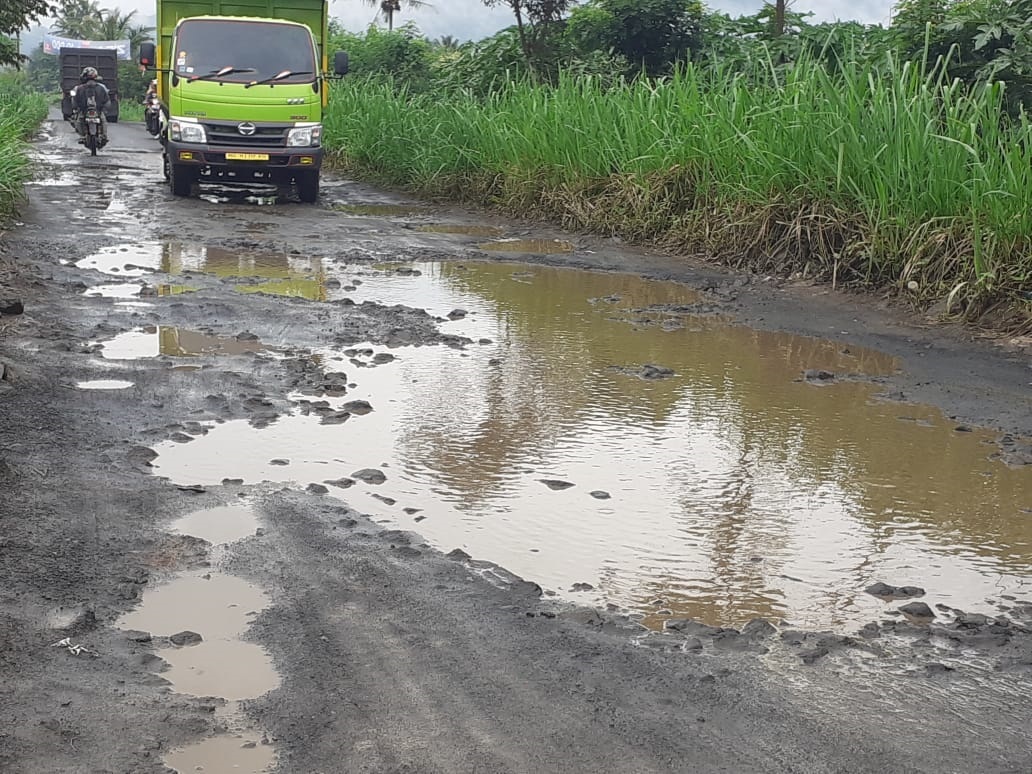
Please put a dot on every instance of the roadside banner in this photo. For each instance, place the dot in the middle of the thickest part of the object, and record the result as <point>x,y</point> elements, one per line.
<point>52,44</point>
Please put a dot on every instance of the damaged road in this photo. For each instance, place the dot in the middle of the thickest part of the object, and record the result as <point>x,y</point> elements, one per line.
<point>252,608</point>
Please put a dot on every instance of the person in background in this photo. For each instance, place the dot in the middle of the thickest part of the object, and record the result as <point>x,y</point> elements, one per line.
<point>90,88</point>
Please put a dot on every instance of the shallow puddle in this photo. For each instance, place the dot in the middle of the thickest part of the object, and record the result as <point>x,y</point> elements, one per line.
<point>448,228</point>
<point>236,753</point>
<point>129,260</point>
<point>535,246</point>
<point>601,433</point>
<point>219,608</point>
<point>104,384</point>
<point>230,669</point>
<point>215,605</point>
<point>174,342</point>
<point>383,210</point>
<point>224,524</point>
<point>114,291</point>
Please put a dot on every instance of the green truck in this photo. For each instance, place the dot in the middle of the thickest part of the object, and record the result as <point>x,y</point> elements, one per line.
<point>243,86</point>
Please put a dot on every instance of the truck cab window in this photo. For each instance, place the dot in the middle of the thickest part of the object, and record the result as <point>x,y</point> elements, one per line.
<point>205,46</point>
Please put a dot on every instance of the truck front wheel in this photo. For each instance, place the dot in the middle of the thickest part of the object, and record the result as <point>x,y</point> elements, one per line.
<point>308,186</point>
<point>180,179</point>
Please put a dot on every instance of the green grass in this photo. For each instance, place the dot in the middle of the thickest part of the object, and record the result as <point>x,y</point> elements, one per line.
<point>130,111</point>
<point>20,115</point>
<point>897,181</point>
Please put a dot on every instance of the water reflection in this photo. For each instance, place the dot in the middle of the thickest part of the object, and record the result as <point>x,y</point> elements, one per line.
<point>167,340</point>
<point>282,273</point>
<point>738,488</point>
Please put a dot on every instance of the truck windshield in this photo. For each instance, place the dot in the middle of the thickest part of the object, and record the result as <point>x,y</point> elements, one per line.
<point>262,49</point>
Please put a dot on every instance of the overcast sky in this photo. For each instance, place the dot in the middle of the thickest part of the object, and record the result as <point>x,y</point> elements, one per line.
<point>471,20</point>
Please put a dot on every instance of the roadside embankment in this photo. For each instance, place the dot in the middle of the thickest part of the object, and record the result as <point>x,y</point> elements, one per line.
<point>903,182</point>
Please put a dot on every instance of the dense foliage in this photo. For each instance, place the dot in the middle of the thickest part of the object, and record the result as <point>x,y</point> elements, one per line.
<point>21,113</point>
<point>16,15</point>
<point>884,157</point>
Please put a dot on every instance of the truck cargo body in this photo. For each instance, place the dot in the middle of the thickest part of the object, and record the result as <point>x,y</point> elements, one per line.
<point>73,60</point>
<point>244,86</point>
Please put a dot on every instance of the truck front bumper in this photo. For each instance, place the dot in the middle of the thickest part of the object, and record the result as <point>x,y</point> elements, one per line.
<point>244,163</point>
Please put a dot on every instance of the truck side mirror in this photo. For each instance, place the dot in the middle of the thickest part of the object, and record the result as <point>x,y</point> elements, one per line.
<point>147,56</point>
<point>340,63</point>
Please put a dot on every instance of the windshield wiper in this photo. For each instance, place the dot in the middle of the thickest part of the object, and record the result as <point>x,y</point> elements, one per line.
<point>221,73</point>
<point>278,77</point>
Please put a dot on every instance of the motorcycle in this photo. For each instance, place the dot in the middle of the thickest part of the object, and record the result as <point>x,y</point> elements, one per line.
<point>93,137</point>
<point>152,114</point>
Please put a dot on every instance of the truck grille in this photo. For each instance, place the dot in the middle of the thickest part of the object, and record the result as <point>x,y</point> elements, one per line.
<point>227,133</point>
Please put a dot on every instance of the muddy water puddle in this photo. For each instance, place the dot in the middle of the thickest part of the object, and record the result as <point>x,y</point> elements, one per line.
<point>201,618</point>
<point>610,444</point>
<point>381,210</point>
<point>536,246</point>
<point>232,753</point>
<point>462,230</point>
<point>153,341</point>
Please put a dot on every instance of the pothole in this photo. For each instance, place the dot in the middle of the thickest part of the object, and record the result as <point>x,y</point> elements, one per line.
<point>104,384</point>
<point>224,524</point>
<point>237,753</point>
<point>611,439</point>
<point>535,246</point>
<point>174,342</point>
<point>199,619</point>
<point>380,209</point>
<point>455,228</point>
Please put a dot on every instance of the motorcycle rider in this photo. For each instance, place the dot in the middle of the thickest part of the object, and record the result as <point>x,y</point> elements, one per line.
<point>90,88</point>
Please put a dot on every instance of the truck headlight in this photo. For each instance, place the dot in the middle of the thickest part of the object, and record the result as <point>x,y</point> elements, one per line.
<point>187,131</point>
<point>304,136</point>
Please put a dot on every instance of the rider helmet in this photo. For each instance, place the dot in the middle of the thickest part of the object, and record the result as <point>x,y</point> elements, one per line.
<point>88,73</point>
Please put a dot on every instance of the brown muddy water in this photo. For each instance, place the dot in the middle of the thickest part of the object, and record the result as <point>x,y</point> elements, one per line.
<point>155,340</point>
<point>603,440</point>
<point>222,664</point>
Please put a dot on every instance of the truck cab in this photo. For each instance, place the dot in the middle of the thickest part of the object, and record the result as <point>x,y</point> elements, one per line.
<point>243,98</point>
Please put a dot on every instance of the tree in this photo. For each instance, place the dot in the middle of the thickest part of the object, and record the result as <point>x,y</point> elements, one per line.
<point>390,7</point>
<point>651,34</point>
<point>78,19</point>
<point>16,15</point>
<point>779,18</point>
<point>536,22</point>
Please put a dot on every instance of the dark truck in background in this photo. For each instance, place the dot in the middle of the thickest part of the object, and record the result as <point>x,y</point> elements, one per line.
<point>73,60</point>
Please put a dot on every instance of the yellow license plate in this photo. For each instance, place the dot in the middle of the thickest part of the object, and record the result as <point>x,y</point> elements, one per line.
<point>247,156</point>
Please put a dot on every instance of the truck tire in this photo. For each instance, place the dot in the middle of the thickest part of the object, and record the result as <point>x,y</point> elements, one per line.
<point>308,186</point>
<point>180,179</point>
<point>66,107</point>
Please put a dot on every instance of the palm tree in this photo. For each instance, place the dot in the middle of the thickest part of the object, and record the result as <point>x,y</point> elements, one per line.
<point>78,19</point>
<point>117,26</point>
<point>390,7</point>
<point>448,42</point>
